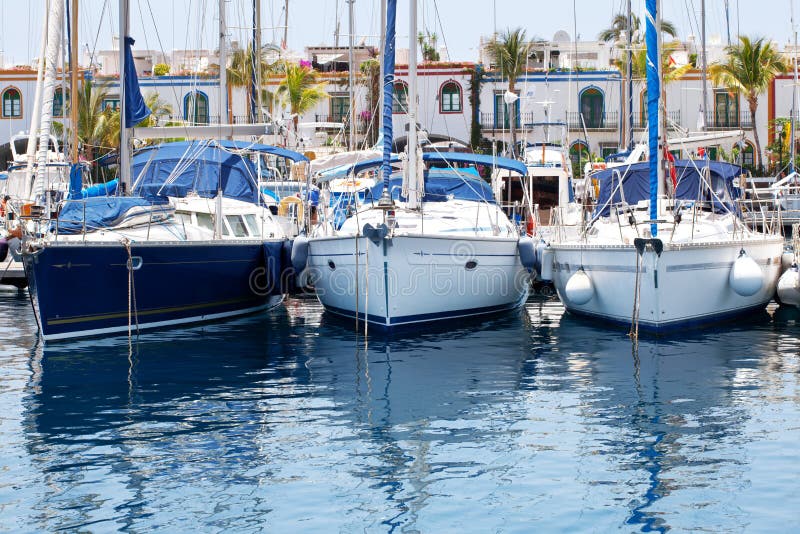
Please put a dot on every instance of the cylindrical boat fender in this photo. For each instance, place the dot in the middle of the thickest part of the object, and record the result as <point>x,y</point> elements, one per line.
<point>787,260</point>
<point>540,248</point>
<point>527,253</point>
<point>547,257</point>
<point>746,277</point>
<point>299,253</point>
<point>579,288</point>
<point>789,286</point>
<point>3,249</point>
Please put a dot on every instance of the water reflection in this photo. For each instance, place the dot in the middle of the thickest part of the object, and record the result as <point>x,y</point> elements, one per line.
<point>529,419</point>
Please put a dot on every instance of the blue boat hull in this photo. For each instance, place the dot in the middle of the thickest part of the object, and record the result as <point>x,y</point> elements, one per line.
<point>83,289</point>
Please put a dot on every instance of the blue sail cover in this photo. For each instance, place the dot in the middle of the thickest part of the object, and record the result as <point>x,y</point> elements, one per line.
<point>653,94</point>
<point>388,88</point>
<point>442,185</point>
<point>193,166</point>
<point>95,213</point>
<point>636,184</point>
<point>135,109</point>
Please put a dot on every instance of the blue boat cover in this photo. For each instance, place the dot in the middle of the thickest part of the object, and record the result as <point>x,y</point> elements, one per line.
<point>432,157</point>
<point>99,212</point>
<point>135,109</point>
<point>200,167</point>
<point>636,184</point>
<point>441,185</point>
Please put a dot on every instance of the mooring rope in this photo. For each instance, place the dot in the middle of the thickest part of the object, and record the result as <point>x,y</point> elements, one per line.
<point>634,332</point>
<point>133,314</point>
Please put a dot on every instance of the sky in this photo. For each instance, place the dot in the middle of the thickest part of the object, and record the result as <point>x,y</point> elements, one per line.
<point>181,24</point>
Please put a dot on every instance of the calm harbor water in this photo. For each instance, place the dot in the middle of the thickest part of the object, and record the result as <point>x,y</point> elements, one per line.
<point>530,421</point>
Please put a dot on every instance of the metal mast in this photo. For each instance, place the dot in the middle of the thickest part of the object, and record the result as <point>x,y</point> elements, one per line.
<point>124,132</point>
<point>351,142</point>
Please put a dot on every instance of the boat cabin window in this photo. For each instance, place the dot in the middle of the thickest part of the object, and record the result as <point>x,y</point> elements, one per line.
<point>185,218</point>
<point>204,221</point>
<point>252,224</point>
<point>237,225</point>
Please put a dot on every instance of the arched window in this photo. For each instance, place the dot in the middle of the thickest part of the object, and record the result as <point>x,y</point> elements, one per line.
<point>400,100</point>
<point>592,107</point>
<point>195,108</point>
<point>748,155</point>
<point>12,103</point>
<point>450,98</point>
<point>58,102</point>
<point>579,155</point>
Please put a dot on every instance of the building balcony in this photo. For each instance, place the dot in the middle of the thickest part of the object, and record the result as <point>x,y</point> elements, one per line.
<point>728,121</point>
<point>640,119</point>
<point>608,120</point>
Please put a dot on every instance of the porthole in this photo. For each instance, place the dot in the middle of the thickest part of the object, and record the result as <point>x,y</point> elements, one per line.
<point>471,264</point>
<point>331,265</point>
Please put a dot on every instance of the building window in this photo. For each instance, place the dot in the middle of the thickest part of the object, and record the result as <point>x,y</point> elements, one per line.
<point>578,155</point>
<point>726,110</point>
<point>340,108</point>
<point>643,109</point>
<point>591,106</point>
<point>58,103</point>
<point>400,100</point>
<point>195,108</point>
<point>748,159</point>
<point>607,150</point>
<point>110,103</point>
<point>501,111</point>
<point>450,98</point>
<point>12,103</point>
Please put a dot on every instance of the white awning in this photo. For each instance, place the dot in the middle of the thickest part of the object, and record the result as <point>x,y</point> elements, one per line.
<point>324,59</point>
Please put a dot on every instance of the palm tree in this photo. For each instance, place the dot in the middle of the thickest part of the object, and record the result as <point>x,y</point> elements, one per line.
<point>619,27</point>
<point>240,73</point>
<point>159,109</point>
<point>300,89</point>
<point>510,52</point>
<point>92,119</point>
<point>749,68</point>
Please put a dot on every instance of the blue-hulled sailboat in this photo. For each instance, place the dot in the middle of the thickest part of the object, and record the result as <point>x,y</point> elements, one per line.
<point>193,242</point>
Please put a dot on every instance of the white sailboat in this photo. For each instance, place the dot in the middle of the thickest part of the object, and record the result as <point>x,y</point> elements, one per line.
<point>662,261</point>
<point>429,244</point>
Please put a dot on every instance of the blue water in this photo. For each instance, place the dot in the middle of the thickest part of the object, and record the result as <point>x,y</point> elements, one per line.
<point>531,421</point>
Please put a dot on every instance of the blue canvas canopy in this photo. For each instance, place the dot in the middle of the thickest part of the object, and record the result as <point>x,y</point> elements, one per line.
<point>636,184</point>
<point>95,212</point>
<point>443,158</point>
<point>175,169</point>
<point>441,185</point>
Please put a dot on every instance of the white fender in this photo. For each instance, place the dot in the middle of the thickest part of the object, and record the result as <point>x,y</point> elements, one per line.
<point>579,288</point>
<point>547,264</point>
<point>789,287</point>
<point>746,277</point>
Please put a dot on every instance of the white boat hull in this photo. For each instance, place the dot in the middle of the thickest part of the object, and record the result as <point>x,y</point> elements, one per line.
<point>687,285</point>
<point>408,279</point>
<point>789,287</point>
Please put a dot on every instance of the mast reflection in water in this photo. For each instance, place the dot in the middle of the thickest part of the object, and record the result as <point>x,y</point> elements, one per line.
<point>530,420</point>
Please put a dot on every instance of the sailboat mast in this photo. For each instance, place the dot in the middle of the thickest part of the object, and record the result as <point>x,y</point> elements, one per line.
<point>351,142</point>
<point>256,58</point>
<point>704,58</point>
<point>73,91</point>
<point>794,93</point>
<point>223,65</point>
<point>653,97</point>
<point>388,93</point>
<point>411,146</point>
<point>629,79</point>
<point>124,132</point>
<point>383,46</point>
